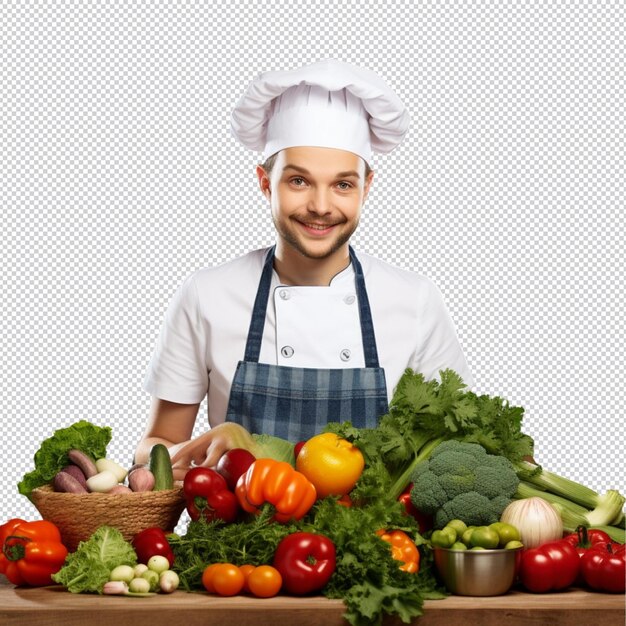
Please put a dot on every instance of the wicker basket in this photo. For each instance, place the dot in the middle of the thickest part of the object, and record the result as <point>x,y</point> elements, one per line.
<point>79,515</point>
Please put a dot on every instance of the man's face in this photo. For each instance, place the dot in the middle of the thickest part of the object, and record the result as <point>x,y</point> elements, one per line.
<point>315,197</point>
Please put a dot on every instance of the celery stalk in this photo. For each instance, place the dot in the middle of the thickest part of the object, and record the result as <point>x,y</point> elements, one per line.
<point>573,514</point>
<point>400,483</point>
<point>558,485</point>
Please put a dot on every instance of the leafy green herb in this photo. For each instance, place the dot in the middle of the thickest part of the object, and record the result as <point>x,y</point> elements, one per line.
<point>216,542</point>
<point>52,454</point>
<point>366,577</point>
<point>89,568</point>
<point>422,414</point>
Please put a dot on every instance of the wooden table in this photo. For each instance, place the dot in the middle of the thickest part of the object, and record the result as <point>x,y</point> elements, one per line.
<point>54,606</point>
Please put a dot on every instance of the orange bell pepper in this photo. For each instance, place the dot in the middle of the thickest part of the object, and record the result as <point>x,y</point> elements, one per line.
<point>403,549</point>
<point>276,482</point>
<point>31,552</point>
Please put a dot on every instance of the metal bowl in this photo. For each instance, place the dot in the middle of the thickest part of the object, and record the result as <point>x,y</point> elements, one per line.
<point>477,572</point>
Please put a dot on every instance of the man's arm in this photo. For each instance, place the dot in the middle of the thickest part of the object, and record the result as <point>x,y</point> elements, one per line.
<point>169,423</point>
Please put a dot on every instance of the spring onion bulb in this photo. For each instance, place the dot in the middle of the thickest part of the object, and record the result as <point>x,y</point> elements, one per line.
<point>537,521</point>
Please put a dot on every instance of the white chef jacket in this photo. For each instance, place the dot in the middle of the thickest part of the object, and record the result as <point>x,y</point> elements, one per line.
<point>206,326</point>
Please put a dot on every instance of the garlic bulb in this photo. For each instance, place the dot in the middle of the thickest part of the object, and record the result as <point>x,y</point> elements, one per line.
<point>537,521</point>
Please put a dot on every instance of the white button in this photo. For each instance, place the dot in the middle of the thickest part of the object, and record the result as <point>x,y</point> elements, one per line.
<point>285,294</point>
<point>349,299</point>
<point>345,354</point>
<point>286,351</point>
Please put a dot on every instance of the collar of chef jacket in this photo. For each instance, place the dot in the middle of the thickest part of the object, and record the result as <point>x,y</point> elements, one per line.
<point>319,326</point>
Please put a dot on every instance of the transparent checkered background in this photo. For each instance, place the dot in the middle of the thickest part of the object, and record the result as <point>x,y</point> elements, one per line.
<point>119,177</point>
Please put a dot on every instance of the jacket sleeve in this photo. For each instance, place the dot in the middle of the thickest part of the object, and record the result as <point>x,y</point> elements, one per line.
<point>440,348</point>
<point>178,369</point>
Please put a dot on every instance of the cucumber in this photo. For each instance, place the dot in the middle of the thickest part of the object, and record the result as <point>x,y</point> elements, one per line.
<point>161,467</point>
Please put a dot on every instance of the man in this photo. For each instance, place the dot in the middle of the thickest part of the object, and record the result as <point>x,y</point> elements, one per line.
<point>288,338</point>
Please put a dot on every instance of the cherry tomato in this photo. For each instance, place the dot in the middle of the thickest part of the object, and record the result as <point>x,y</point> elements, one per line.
<point>297,448</point>
<point>227,579</point>
<point>265,581</point>
<point>207,576</point>
<point>246,570</point>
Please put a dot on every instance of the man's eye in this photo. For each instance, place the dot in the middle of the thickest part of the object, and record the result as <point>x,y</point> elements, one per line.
<point>348,185</point>
<point>296,179</point>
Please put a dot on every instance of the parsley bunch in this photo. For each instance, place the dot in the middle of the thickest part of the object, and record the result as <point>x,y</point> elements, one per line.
<point>366,577</point>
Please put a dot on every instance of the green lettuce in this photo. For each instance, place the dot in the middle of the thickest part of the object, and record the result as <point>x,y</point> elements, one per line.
<point>270,447</point>
<point>89,568</point>
<point>52,454</point>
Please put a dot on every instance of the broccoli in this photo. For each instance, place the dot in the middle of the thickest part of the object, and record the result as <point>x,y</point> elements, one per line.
<point>461,481</point>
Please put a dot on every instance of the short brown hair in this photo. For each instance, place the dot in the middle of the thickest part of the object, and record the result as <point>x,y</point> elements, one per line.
<point>268,165</point>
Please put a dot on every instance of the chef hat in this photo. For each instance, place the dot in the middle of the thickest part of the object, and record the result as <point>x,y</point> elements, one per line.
<point>329,103</point>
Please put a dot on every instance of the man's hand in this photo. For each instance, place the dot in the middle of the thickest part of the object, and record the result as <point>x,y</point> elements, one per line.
<point>207,449</point>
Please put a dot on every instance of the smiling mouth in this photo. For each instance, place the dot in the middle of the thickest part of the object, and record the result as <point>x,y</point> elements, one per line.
<point>318,226</point>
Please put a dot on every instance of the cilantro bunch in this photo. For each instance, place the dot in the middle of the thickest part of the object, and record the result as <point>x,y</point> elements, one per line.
<point>422,414</point>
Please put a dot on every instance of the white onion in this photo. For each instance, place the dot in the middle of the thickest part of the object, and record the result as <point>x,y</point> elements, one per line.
<point>537,521</point>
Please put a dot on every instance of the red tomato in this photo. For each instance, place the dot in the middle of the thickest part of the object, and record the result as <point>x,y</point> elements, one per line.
<point>306,561</point>
<point>297,448</point>
<point>233,464</point>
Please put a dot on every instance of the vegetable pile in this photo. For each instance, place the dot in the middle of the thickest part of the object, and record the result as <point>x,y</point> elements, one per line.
<point>53,454</point>
<point>423,414</point>
<point>73,460</point>
<point>355,513</point>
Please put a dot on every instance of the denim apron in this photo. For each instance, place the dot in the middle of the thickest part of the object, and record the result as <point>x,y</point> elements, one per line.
<point>296,403</point>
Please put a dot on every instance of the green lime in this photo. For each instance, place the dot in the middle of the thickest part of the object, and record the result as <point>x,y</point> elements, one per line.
<point>440,539</point>
<point>459,525</point>
<point>511,545</point>
<point>467,535</point>
<point>443,538</point>
<point>485,537</point>
<point>457,545</point>
<point>507,532</point>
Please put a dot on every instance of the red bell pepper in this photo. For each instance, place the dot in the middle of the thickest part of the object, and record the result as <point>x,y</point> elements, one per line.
<point>585,539</point>
<point>151,542</point>
<point>604,567</point>
<point>550,567</point>
<point>31,552</point>
<point>207,495</point>
<point>424,521</point>
<point>306,561</point>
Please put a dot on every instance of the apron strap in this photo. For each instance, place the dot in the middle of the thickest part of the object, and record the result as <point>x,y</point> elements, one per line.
<point>367,325</point>
<point>257,323</point>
